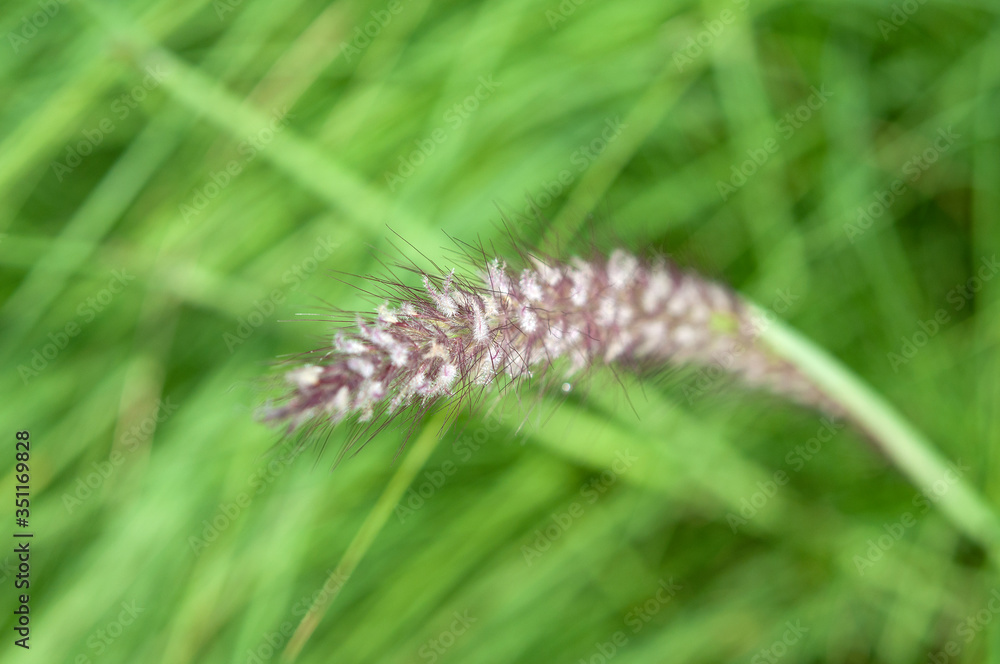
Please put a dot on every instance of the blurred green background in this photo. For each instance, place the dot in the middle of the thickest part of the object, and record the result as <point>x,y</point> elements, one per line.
<point>178,178</point>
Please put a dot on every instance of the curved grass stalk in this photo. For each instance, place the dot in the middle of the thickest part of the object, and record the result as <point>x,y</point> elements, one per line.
<point>909,449</point>
<point>412,462</point>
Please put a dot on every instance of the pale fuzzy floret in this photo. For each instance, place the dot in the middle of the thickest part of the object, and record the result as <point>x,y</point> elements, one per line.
<point>622,268</point>
<point>497,279</point>
<point>363,368</point>
<point>436,350</point>
<point>483,372</point>
<point>305,376</point>
<point>682,301</point>
<point>686,335</point>
<point>582,277</point>
<point>491,308</point>
<point>442,300</point>
<point>606,311</point>
<point>399,356</point>
<point>612,311</point>
<point>529,320</point>
<point>371,391</point>
<point>406,392</point>
<point>386,316</point>
<point>551,276</point>
<point>626,315</point>
<point>562,341</point>
<point>480,328</point>
<point>446,376</point>
<point>657,290</point>
<point>529,287</point>
<point>618,345</point>
<point>394,348</point>
<point>348,346</point>
<point>654,336</point>
<point>341,402</point>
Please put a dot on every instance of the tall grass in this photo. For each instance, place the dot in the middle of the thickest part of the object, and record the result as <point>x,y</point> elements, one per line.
<point>177,179</point>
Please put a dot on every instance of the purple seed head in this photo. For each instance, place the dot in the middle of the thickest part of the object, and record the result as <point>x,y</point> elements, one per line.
<point>455,337</point>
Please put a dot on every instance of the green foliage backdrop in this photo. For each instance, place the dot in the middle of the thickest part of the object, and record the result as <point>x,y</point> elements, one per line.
<point>179,178</point>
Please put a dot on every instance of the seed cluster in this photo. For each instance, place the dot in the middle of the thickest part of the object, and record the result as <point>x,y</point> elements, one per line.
<point>453,336</point>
